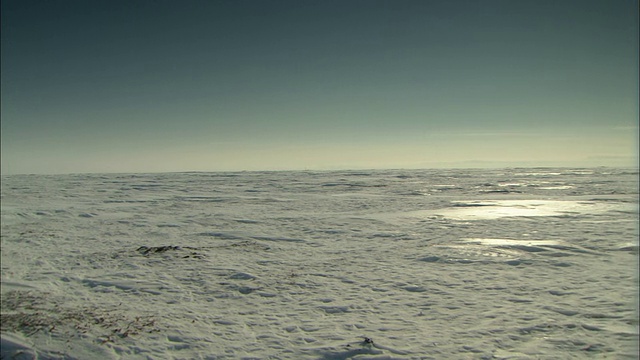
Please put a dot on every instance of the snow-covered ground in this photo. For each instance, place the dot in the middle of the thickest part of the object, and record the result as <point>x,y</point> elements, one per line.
<point>406,264</point>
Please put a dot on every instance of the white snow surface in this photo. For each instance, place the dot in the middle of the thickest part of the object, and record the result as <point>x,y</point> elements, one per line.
<point>396,264</point>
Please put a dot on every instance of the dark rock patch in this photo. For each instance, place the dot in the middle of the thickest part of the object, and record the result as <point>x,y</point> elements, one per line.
<point>185,252</point>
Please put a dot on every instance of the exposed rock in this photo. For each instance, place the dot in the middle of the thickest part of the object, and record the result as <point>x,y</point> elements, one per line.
<point>189,252</point>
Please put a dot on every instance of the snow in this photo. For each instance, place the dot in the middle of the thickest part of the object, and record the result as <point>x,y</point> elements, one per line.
<point>386,264</point>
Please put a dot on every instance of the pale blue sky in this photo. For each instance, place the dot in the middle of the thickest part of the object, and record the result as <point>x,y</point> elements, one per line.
<point>145,86</point>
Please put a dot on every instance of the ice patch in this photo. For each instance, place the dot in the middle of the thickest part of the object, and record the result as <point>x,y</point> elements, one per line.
<point>530,246</point>
<point>494,209</point>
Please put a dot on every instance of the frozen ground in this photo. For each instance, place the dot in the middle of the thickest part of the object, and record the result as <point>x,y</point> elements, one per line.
<point>430,264</point>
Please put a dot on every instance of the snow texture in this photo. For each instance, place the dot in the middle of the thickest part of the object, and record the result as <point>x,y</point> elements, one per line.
<point>406,264</point>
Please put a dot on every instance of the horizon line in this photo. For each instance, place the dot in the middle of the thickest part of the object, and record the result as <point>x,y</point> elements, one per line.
<point>637,168</point>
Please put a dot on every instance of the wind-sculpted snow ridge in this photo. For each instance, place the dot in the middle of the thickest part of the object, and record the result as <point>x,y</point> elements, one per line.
<point>394,264</point>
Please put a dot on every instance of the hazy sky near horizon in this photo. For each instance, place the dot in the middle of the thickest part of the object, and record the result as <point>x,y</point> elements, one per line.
<point>161,85</point>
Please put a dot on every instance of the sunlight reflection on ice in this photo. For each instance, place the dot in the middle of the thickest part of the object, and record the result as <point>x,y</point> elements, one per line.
<point>510,242</point>
<point>494,209</point>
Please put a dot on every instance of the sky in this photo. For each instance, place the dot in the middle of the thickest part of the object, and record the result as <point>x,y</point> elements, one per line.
<point>109,86</point>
